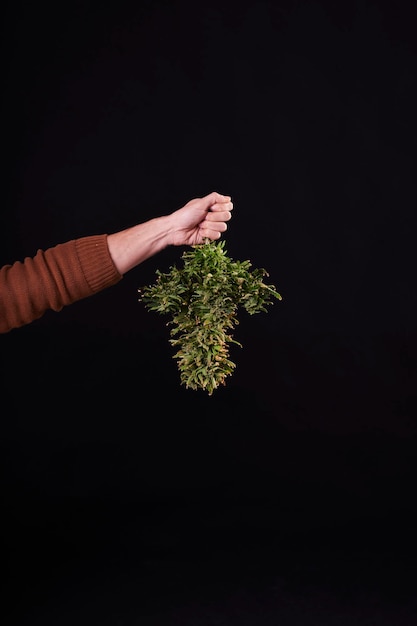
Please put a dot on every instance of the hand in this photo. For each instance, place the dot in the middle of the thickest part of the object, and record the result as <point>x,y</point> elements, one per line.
<point>201,218</point>
<point>191,225</point>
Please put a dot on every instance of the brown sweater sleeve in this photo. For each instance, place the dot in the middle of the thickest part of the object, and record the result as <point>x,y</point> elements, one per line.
<point>53,279</point>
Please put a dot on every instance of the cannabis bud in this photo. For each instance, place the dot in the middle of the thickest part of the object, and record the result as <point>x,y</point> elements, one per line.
<point>202,299</point>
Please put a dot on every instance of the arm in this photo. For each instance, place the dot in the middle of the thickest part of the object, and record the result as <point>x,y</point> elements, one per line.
<point>190,225</point>
<point>80,268</point>
<point>53,279</point>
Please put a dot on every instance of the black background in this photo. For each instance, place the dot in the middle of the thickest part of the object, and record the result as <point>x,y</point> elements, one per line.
<point>287,497</point>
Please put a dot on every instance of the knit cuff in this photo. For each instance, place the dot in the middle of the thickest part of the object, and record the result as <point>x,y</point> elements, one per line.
<point>96,263</point>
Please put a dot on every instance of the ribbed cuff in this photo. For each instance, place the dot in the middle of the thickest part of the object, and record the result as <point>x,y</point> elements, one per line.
<point>96,263</point>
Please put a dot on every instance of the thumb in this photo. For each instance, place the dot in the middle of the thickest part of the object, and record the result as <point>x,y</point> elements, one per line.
<point>214,197</point>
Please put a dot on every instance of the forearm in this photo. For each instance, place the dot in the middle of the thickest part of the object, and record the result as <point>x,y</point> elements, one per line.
<point>130,247</point>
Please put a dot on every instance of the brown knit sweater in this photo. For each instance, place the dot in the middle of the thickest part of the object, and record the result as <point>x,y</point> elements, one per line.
<point>53,279</point>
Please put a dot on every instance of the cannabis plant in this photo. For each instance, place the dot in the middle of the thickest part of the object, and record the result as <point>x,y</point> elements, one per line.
<point>202,298</point>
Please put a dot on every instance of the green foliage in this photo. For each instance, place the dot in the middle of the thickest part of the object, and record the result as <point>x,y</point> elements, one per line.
<point>202,299</point>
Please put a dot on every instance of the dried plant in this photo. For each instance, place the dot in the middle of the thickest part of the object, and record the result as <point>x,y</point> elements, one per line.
<point>202,299</point>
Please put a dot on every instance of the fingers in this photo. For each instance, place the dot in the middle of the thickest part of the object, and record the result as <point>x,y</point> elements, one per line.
<point>217,202</point>
<point>221,226</point>
<point>216,198</point>
<point>222,206</point>
<point>219,215</point>
<point>210,234</point>
<point>213,230</point>
<point>218,211</point>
